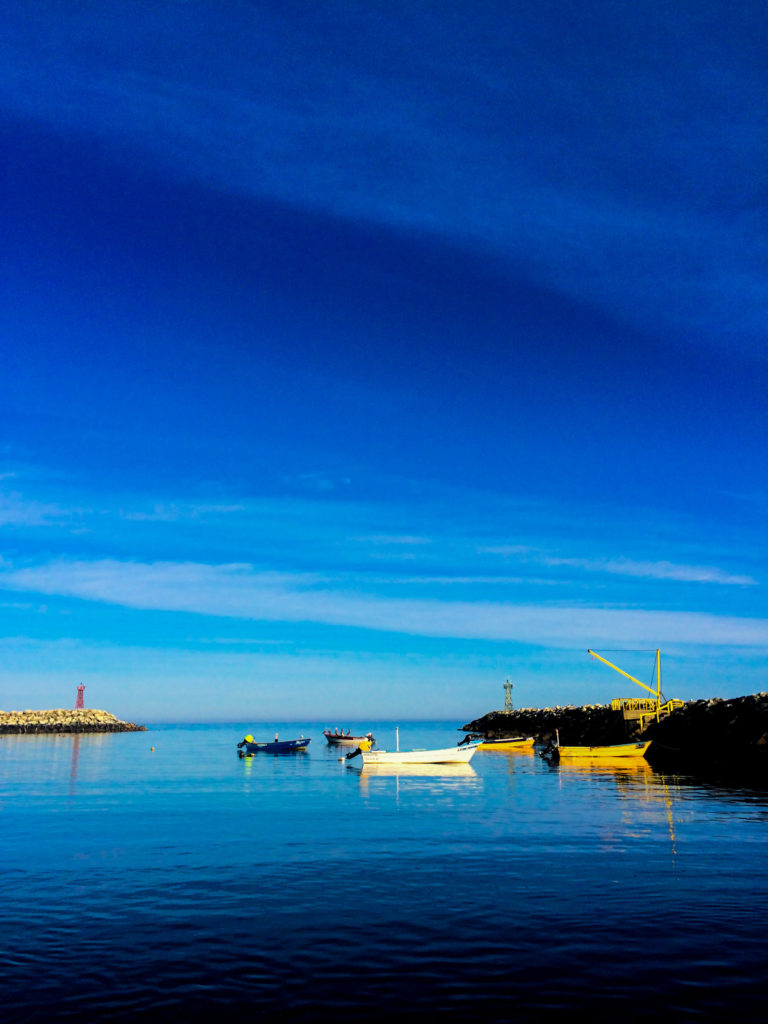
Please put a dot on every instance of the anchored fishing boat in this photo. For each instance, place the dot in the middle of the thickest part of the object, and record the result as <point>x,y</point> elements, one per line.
<point>608,751</point>
<point>461,754</point>
<point>339,738</point>
<point>508,743</point>
<point>247,747</point>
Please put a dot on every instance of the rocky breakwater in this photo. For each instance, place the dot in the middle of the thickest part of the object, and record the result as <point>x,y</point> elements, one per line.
<point>715,735</point>
<point>60,720</point>
<point>588,725</point>
<point>726,735</point>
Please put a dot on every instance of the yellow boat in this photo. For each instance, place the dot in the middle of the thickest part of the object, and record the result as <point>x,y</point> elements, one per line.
<point>508,743</point>
<point>637,749</point>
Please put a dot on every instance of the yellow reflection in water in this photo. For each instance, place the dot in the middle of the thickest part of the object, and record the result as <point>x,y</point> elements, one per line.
<point>635,780</point>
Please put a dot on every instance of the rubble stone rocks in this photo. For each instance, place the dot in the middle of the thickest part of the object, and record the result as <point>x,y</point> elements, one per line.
<point>588,725</point>
<point>723,732</point>
<point>715,733</point>
<point>64,720</point>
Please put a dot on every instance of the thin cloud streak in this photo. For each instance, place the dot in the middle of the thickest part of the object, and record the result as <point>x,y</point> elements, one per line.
<point>239,591</point>
<point>660,570</point>
<point>16,510</point>
<point>655,570</point>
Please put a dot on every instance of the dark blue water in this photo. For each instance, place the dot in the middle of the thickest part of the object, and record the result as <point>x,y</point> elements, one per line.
<point>184,883</point>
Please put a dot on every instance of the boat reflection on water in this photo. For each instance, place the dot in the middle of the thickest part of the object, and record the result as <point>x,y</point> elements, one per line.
<point>452,771</point>
<point>637,767</point>
<point>632,776</point>
<point>643,789</point>
<point>433,776</point>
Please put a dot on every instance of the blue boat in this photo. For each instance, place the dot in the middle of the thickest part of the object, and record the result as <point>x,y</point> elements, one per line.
<point>247,747</point>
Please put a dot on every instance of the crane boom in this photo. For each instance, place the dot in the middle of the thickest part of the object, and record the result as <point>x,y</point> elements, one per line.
<point>656,692</point>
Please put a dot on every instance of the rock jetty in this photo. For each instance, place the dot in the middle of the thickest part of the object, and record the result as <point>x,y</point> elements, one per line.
<point>727,734</point>
<point>61,720</point>
<point>587,725</point>
<point>712,734</point>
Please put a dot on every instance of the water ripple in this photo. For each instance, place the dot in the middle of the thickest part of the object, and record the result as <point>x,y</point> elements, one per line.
<point>194,885</point>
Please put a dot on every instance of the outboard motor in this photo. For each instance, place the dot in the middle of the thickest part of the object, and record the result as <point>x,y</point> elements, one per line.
<point>244,742</point>
<point>365,744</point>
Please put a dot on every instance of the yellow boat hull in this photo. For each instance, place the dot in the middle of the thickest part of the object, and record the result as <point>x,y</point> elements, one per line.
<point>615,750</point>
<point>524,744</point>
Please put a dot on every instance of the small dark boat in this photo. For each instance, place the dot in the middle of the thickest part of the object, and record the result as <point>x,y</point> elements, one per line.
<point>345,739</point>
<point>247,747</point>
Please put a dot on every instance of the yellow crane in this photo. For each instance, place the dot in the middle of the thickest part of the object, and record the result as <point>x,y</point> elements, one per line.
<point>656,708</point>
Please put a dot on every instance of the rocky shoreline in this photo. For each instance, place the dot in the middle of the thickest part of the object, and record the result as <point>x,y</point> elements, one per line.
<point>61,720</point>
<point>720,735</point>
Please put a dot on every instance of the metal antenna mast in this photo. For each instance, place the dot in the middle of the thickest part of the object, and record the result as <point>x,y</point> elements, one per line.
<point>508,705</point>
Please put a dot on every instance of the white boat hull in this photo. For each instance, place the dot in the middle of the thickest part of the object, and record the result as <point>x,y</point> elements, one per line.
<point>449,755</point>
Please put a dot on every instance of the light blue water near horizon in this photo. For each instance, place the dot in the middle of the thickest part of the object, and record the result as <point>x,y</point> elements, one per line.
<point>182,882</point>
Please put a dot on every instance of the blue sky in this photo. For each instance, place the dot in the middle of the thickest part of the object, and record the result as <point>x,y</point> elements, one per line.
<point>359,356</point>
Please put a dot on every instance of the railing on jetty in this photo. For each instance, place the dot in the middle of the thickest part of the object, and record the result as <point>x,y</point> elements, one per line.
<point>633,704</point>
<point>643,709</point>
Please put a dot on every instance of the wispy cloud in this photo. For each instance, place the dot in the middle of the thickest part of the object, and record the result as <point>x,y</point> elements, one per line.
<point>240,591</point>
<point>174,512</point>
<point>386,538</point>
<point>655,570</point>
<point>508,550</point>
<point>317,482</point>
<point>16,510</point>
<point>658,570</point>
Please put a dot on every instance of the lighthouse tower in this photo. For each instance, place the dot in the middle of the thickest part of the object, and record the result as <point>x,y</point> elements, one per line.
<point>80,702</point>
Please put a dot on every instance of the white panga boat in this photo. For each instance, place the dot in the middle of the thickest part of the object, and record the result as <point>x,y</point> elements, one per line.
<point>462,754</point>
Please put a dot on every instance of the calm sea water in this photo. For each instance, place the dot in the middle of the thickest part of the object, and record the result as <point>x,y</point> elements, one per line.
<point>181,883</point>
